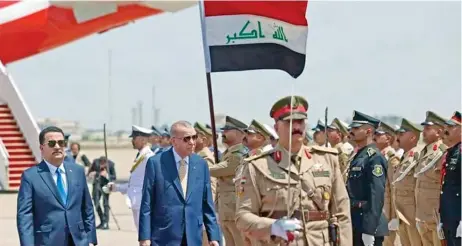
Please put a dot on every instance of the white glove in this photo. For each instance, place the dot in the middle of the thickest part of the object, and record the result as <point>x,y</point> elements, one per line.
<point>286,229</point>
<point>439,231</point>
<point>458,231</point>
<point>393,224</point>
<point>110,187</point>
<point>368,240</point>
<point>106,189</point>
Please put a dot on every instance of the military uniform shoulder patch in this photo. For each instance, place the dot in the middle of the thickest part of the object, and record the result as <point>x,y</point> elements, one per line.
<point>277,156</point>
<point>371,152</point>
<point>390,153</point>
<point>377,170</point>
<point>324,149</point>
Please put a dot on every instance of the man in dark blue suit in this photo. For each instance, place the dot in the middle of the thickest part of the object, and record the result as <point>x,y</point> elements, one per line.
<point>177,199</point>
<point>54,205</point>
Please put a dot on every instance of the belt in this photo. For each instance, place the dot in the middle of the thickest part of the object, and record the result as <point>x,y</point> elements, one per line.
<point>309,215</point>
<point>357,204</point>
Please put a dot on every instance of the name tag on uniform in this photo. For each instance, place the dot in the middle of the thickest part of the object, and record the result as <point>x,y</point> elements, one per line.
<point>277,175</point>
<point>356,168</point>
<point>321,173</point>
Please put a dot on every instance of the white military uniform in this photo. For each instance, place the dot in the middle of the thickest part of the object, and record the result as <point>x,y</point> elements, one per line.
<point>134,188</point>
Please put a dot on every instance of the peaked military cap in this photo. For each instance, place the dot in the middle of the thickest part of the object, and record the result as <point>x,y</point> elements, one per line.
<point>385,128</point>
<point>320,127</point>
<point>234,124</point>
<point>140,131</point>
<point>200,128</point>
<point>407,126</point>
<point>282,109</point>
<point>433,119</point>
<point>257,127</point>
<point>165,132</point>
<point>338,125</point>
<point>455,119</point>
<point>155,131</point>
<point>271,131</point>
<point>360,119</point>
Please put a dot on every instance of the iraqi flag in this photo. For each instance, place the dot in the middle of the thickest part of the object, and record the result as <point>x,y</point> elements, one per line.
<point>250,35</point>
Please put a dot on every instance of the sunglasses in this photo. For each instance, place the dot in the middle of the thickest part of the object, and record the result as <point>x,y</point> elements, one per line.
<point>188,138</point>
<point>61,143</point>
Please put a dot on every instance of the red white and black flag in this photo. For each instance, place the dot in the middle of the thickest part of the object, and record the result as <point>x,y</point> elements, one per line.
<point>250,35</point>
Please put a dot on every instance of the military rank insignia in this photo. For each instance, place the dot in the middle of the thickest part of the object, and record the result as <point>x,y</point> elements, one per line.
<point>370,152</point>
<point>241,186</point>
<point>378,170</point>
<point>277,156</point>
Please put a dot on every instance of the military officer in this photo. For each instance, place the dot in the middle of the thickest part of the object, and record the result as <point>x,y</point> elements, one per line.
<point>140,140</point>
<point>225,170</point>
<point>204,136</point>
<point>403,185</point>
<point>155,139</point>
<point>258,138</point>
<point>274,136</point>
<point>313,196</point>
<point>336,132</point>
<point>450,202</point>
<point>319,133</point>
<point>384,136</point>
<point>366,181</point>
<point>428,174</point>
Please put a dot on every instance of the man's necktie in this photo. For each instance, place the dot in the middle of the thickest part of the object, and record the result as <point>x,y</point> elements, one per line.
<point>60,185</point>
<point>183,177</point>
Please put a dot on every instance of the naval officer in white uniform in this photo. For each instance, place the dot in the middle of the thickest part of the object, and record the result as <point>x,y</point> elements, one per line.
<point>133,189</point>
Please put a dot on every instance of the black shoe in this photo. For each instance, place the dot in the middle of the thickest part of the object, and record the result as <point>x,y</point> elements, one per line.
<point>100,226</point>
<point>105,226</point>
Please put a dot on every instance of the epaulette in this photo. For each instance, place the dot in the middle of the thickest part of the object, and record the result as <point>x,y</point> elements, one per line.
<point>390,153</point>
<point>262,154</point>
<point>324,149</point>
<point>371,152</point>
<point>443,147</point>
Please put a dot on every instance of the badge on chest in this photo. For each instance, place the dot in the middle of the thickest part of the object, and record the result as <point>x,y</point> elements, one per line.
<point>318,171</point>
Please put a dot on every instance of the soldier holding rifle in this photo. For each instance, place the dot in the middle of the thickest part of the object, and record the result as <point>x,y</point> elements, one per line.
<point>302,182</point>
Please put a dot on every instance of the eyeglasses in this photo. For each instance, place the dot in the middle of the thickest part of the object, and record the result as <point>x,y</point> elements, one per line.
<point>188,138</point>
<point>61,143</point>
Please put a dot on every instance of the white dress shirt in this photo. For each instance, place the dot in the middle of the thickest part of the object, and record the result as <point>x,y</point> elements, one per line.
<point>55,177</point>
<point>178,159</point>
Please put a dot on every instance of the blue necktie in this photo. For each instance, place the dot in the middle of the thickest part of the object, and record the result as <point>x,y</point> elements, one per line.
<point>60,185</point>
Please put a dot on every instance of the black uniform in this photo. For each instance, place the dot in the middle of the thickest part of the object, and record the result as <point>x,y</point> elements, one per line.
<point>97,192</point>
<point>366,189</point>
<point>450,203</point>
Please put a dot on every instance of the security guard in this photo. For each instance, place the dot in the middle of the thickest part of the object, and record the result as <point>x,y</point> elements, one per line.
<point>428,174</point>
<point>204,136</point>
<point>450,202</point>
<point>366,181</point>
<point>319,133</point>
<point>404,183</point>
<point>140,140</point>
<point>336,132</point>
<point>316,196</point>
<point>384,136</point>
<point>233,134</point>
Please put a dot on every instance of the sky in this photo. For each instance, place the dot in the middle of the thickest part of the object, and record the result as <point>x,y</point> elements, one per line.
<point>380,58</point>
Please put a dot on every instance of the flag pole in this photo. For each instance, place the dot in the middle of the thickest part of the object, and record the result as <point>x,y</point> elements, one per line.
<point>208,70</point>
<point>212,116</point>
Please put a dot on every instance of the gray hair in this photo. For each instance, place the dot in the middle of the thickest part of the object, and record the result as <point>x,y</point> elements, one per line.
<point>176,125</point>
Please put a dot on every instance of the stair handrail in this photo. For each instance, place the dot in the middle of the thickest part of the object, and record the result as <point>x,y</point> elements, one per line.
<point>26,122</point>
<point>4,170</point>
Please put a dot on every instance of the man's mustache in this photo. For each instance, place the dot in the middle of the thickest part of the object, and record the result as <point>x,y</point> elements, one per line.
<point>296,131</point>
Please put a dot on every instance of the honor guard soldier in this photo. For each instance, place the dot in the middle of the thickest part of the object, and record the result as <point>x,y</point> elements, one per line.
<point>233,134</point>
<point>428,174</point>
<point>204,136</point>
<point>155,140</point>
<point>384,136</point>
<point>336,132</point>
<point>133,189</point>
<point>403,185</point>
<point>319,133</point>
<point>274,136</point>
<point>258,138</point>
<point>450,203</point>
<point>366,181</point>
<point>300,182</point>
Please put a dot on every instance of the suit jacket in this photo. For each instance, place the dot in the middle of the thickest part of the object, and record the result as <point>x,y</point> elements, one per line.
<point>165,214</point>
<point>43,219</point>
